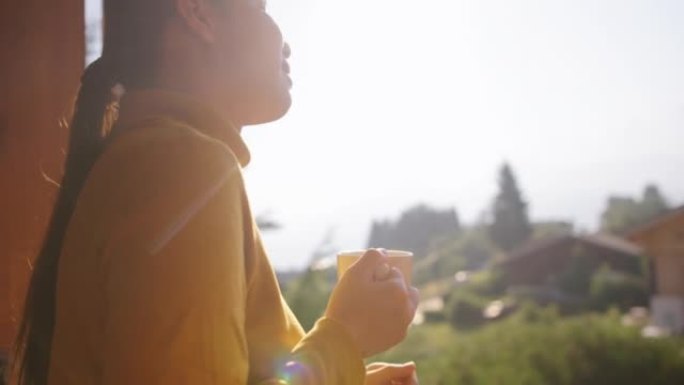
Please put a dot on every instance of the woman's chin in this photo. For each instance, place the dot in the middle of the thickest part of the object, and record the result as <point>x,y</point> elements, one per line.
<point>280,106</point>
<point>273,110</point>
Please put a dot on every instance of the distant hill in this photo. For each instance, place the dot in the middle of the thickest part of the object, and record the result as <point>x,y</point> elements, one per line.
<point>416,230</point>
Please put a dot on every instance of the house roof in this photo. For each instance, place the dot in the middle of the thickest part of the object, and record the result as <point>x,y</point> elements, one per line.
<point>533,247</point>
<point>602,240</point>
<point>655,223</point>
<point>612,242</point>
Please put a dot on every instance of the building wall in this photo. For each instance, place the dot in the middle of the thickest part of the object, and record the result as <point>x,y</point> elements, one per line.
<point>545,264</point>
<point>670,276</point>
<point>538,266</point>
<point>664,244</point>
<point>42,48</point>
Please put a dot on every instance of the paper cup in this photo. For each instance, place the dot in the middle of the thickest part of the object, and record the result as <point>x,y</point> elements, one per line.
<point>402,260</point>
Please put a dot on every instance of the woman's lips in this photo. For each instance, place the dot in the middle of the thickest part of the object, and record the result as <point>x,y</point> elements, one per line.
<point>286,67</point>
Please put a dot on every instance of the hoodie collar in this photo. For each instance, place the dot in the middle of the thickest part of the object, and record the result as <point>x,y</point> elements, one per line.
<point>137,105</point>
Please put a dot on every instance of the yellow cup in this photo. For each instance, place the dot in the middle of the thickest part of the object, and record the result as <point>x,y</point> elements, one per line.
<point>402,260</point>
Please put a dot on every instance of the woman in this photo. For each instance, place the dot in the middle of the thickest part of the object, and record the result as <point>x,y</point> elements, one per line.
<point>152,270</point>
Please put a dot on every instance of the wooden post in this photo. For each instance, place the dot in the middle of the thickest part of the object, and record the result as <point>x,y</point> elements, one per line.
<point>42,46</point>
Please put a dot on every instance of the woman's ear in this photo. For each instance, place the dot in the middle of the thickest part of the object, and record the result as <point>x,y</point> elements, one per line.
<point>198,16</point>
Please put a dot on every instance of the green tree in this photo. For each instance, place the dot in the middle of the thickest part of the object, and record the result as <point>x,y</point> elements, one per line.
<point>470,249</point>
<point>537,346</point>
<point>308,295</point>
<point>610,288</point>
<point>576,277</point>
<point>625,213</point>
<point>653,203</point>
<point>551,229</point>
<point>510,226</point>
<point>418,229</point>
<point>621,213</point>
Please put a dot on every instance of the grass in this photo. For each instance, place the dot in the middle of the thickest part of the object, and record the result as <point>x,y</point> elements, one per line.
<point>537,347</point>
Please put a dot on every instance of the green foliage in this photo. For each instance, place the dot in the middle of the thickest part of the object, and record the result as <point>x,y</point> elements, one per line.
<point>566,304</point>
<point>551,229</point>
<point>266,223</point>
<point>465,310</point>
<point>538,347</point>
<point>434,316</point>
<point>585,285</point>
<point>426,345</point>
<point>469,249</point>
<point>610,288</point>
<point>489,283</point>
<point>416,230</point>
<point>511,226</point>
<point>466,302</point>
<point>624,213</point>
<point>474,246</point>
<point>621,214</point>
<point>653,203</point>
<point>308,296</point>
<point>576,278</point>
<point>532,314</point>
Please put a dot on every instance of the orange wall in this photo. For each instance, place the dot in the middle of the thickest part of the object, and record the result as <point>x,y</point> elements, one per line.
<point>42,48</point>
<point>664,243</point>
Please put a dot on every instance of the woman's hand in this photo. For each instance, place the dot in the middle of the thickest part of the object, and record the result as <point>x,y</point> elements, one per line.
<point>373,303</point>
<point>380,373</point>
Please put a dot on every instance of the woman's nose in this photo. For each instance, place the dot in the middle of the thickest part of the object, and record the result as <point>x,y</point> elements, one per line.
<point>286,51</point>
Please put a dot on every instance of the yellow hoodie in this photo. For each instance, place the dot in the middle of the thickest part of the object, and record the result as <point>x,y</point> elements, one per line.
<point>163,278</point>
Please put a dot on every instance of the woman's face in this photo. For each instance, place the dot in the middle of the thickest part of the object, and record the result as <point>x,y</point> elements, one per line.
<point>252,61</point>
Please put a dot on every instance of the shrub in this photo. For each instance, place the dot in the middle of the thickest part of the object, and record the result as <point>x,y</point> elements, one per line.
<point>567,304</point>
<point>434,316</point>
<point>308,296</point>
<point>487,283</point>
<point>587,350</point>
<point>538,347</point>
<point>610,288</point>
<point>464,311</point>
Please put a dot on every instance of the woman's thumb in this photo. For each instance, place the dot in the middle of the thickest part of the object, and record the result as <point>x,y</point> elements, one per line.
<point>369,261</point>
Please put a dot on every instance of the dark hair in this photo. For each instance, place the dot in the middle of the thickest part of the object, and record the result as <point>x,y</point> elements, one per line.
<point>132,40</point>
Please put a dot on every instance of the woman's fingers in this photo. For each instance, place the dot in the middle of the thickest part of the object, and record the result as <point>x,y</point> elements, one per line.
<point>414,298</point>
<point>375,365</point>
<point>369,262</point>
<point>381,373</point>
<point>376,313</point>
<point>412,380</point>
<point>406,368</point>
<point>382,272</point>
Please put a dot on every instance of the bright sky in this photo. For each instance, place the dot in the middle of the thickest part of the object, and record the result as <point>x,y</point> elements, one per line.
<point>398,102</point>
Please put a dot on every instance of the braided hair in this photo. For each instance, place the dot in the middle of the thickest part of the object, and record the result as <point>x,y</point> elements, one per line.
<point>132,42</point>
